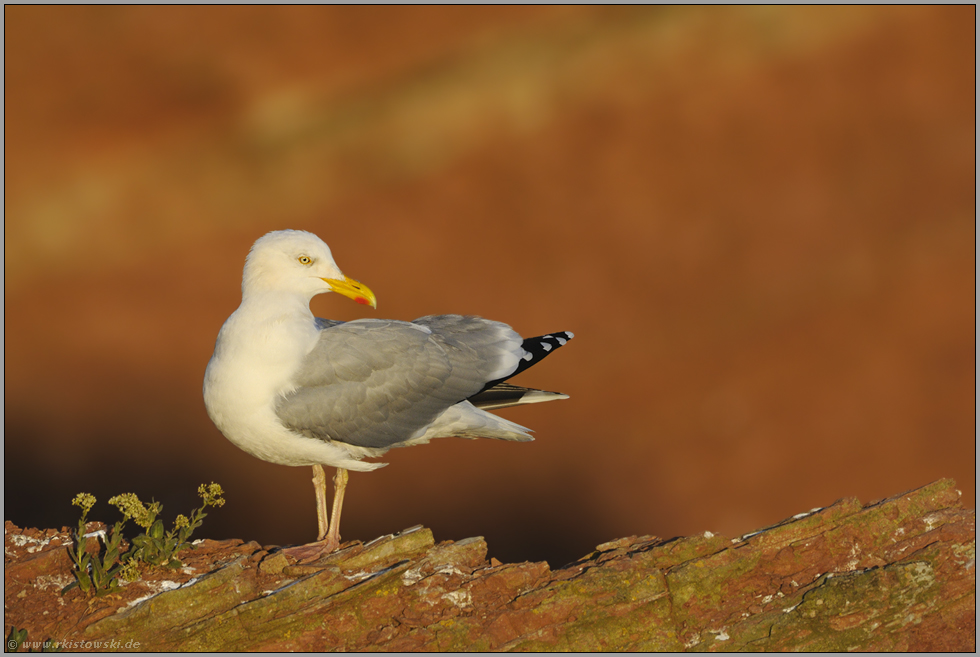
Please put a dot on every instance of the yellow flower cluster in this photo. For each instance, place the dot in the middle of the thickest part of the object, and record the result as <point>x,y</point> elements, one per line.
<point>131,507</point>
<point>211,494</point>
<point>131,571</point>
<point>84,500</point>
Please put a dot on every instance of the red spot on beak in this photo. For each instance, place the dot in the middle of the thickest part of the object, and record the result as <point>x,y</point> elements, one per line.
<point>362,301</point>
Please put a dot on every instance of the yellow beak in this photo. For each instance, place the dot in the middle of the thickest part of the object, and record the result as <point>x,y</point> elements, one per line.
<point>350,288</point>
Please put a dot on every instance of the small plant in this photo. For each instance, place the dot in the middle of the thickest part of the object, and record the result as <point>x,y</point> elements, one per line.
<point>100,574</point>
<point>16,639</point>
<point>94,573</point>
<point>158,548</point>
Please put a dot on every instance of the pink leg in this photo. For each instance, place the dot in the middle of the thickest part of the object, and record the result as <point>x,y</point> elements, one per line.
<point>339,486</point>
<point>320,487</point>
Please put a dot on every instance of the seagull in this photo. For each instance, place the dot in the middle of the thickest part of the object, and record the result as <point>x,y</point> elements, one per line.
<point>294,389</point>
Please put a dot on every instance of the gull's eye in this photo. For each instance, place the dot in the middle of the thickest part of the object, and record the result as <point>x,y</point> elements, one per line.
<point>305,260</point>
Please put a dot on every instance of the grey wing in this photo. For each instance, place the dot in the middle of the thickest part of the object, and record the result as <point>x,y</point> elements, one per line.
<point>377,383</point>
<point>326,323</point>
<point>491,348</point>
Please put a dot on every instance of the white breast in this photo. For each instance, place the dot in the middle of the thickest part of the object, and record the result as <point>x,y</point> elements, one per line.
<point>255,358</point>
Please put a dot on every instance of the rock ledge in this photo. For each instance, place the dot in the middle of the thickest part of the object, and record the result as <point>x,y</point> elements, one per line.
<point>893,575</point>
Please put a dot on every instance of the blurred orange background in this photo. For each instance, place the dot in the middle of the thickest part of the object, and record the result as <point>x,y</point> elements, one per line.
<point>758,221</point>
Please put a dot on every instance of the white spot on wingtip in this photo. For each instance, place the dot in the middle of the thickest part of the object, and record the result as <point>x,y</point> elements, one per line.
<point>569,334</point>
<point>561,341</point>
<point>546,346</point>
<point>527,355</point>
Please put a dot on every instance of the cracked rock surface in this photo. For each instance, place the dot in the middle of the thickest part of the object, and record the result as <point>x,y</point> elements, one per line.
<point>898,574</point>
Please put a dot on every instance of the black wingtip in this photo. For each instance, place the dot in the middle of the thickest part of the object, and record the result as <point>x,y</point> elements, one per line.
<point>537,349</point>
